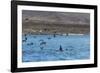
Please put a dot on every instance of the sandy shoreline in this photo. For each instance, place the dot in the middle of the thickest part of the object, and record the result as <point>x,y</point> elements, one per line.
<point>51,29</point>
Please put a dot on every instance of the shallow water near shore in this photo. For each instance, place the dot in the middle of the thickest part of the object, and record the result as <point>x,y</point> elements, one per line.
<point>39,48</point>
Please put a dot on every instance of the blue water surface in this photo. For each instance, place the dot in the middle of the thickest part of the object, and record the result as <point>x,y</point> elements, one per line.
<point>54,48</point>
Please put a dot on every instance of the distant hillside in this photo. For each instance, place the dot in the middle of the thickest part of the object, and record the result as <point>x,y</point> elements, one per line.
<point>63,22</point>
<point>56,17</point>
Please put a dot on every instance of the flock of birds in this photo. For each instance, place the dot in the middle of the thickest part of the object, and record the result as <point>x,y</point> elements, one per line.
<point>42,42</point>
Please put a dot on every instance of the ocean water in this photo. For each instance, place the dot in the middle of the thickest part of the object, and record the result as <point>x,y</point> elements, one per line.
<point>38,48</point>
